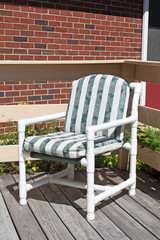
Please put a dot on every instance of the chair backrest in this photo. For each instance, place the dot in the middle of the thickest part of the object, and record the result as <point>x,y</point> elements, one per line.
<point>97,99</point>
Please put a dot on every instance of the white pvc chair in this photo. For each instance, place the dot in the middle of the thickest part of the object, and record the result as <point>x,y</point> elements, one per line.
<point>94,125</point>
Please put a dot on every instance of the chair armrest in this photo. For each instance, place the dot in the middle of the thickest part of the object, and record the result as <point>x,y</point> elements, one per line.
<point>91,130</point>
<point>26,122</point>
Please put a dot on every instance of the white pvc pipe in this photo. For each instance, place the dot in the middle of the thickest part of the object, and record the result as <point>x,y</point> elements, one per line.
<point>114,190</point>
<point>144,45</point>
<point>145,29</point>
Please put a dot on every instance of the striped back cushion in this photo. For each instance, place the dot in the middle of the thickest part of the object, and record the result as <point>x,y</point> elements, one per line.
<point>97,99</point>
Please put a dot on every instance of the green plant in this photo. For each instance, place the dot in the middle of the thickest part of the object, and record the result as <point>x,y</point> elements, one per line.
<point>106,161</point>
<point>11,138</point>
<point>149,137</point>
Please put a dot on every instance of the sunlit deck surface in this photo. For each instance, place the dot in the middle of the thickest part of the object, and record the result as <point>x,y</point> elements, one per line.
<point>58,212</point>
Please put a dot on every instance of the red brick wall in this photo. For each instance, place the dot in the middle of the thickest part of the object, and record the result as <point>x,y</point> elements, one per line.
<point>74,30</point>
<point>65,30</point>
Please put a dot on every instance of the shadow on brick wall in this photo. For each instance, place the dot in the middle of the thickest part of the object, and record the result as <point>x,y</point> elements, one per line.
<point>122,8</point>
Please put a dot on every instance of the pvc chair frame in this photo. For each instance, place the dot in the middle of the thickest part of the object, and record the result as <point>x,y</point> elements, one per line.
<point>88,162</point>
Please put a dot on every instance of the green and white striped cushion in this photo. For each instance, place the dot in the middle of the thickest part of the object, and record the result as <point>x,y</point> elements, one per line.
<point>97,99</point>
<point>68,145</point>
<point>94,100</point>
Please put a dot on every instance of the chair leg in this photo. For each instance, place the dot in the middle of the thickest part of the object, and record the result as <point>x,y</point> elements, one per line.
<point>71,168</point>
<point>133,157</point>
<point>132,190</point>
<point>90,196</point>
<point>22,181</point>
<point>90,180</point>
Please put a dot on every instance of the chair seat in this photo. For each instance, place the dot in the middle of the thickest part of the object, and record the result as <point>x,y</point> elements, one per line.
<point>69,145</point>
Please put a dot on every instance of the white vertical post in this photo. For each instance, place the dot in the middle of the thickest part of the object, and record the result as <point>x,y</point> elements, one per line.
<point>22,167</point>
<point>144,45</point>
<point>90,176</point>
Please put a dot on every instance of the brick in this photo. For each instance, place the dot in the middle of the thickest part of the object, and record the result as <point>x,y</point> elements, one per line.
<point>5,51</point>
<point>6,38</point>
<point>35,27</point>
<point>20,87</point>
<point>6,25</point>
<point>6,100</point>
<point>5,13</point>
<point>110,38</point>
<point>54,35</point>
<point>47,28</point>
<point>53,46</point>
<point>53,91</point>
<point>20,51</point>
<point>41,58</point>
<point>47,97</point>
<point>26,58</point>
<point>12,19</point>
<point>66,35</point>
<point>35,15</point>
<point>5,87</point>
<point>20,99</point>
<point>12,44</point>
<point>79,25</point>
<point>34,98</point>
<point>54,58</point>
<point>12,57</point>
<point>72,41</point>
<point>27,21</point>
<point>40,45</point>
<point>34,51</point>
<point>38,92</point>
<point>41,34</point>
<point>99,48</point>
<point>60,41</point>
<point>60,96</point>
<point>27,9</point>
<point>12,7</point>
<point>21,14</point>
<point>1,94</point>
<point>61,18</point>
<point>12,94</point>
<point>27,33</point>
<point>47,52</point>
<point>73,19</point>
<point>20,39</point>
<point>66,13</point>
<point>60,29</point>
<point>41,22</point>
<point>41,10</point>
<point>23,93</point>
<point>12,32</point>
<point>137,30</point>
<point>47,40</point>
<point>21,26</point>
<point>54,23</point>
<point>89,26</point>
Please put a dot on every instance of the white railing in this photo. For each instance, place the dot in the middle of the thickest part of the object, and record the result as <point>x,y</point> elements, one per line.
<point>130,70</point>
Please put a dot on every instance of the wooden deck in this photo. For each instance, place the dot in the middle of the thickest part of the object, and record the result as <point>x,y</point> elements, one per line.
<point>58,212</point>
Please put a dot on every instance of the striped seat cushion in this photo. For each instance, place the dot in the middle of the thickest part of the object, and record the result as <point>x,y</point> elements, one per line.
<point>97,99</point>
<point>68,145</point>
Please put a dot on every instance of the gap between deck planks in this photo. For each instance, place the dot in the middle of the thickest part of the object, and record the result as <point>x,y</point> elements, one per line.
<point>57,211</point>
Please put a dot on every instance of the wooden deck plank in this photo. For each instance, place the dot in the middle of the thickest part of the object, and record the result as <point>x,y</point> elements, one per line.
<point>125,221</point>
<point>144,199</point>
<point>79,227</point>
<point>133,208</point>
<point>58,212</point>
<point>7,230</point>
<point>103,225</point>
<point>45,215</point>
<point>23,219</point>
